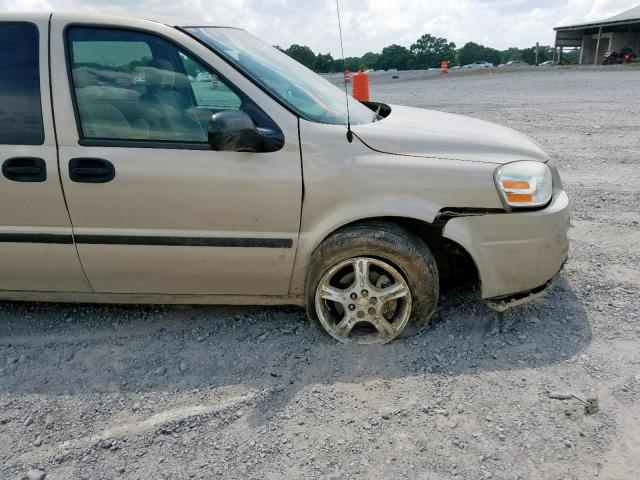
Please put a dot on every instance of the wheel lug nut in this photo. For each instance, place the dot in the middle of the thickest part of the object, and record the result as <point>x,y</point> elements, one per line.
<point>352,307</point>
<point>364,293</point>
<point>373,300</point>
<point>360,314</point>
<point>353,296</point>
<point>372,311</point>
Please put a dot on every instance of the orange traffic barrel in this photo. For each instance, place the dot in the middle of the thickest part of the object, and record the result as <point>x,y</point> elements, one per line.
<point>347,76</point>
<point>360,86</point>
<point>444,67</point>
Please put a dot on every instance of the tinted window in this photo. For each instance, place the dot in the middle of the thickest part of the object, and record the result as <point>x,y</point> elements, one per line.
<point>135,86</point>
<point>209,91</point>
<point>20,108</point>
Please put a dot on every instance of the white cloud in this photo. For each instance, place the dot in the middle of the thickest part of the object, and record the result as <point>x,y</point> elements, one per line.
<point>368,25</point>
<point>24,5</point>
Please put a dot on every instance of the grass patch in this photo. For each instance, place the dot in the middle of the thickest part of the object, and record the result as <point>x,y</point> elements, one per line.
<point>591,406</point>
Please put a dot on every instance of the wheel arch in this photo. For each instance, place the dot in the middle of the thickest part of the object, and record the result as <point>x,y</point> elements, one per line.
<point>452,258</point>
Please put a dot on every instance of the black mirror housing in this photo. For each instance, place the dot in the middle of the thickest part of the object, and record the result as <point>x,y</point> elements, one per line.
<point>235,131</point>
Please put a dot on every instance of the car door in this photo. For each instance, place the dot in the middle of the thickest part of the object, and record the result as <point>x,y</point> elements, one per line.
<point>36,244</point>
<point>154,209</point>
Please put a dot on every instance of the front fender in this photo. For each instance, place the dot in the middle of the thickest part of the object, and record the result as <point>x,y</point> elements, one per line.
<point>347,182</point>
<point>314,232</point>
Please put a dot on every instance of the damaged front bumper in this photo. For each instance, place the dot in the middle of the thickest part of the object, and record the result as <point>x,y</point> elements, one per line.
<point>516,254</point>
<point>500,304</point>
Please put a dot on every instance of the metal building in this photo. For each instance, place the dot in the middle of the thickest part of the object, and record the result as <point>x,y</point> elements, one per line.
<point>596,38</point>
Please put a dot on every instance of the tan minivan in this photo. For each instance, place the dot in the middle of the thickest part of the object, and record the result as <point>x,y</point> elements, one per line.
<point>144,162</point>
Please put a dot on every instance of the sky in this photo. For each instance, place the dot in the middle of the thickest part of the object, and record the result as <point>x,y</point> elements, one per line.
<point>368,25</point>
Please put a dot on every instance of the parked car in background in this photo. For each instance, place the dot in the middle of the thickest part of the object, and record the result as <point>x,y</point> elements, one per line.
<point>479,64</point>
<point>153,188</point>
<point>515,64</point>
<point>548,63</point>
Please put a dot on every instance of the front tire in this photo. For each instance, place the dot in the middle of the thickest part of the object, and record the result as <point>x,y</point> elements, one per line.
<point>372,282</point>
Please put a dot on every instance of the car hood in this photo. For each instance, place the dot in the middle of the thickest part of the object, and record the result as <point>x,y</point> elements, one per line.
<point>427,133</point>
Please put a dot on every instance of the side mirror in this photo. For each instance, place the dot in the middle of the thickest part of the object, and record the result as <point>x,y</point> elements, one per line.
<point>233,131</point>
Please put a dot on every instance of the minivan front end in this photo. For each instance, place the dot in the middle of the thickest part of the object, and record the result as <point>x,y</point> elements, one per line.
<point>517,253</point>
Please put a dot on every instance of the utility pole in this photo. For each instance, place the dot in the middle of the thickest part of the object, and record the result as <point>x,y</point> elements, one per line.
<point>537,52</point>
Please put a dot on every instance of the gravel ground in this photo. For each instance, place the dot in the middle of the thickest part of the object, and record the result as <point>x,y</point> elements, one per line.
<point>105,392</point>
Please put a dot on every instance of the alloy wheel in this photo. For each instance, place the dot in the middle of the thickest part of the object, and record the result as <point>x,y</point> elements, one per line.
<point>363,300</point>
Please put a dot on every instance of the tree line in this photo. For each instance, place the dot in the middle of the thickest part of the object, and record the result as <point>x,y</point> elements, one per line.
<point>427,52</point>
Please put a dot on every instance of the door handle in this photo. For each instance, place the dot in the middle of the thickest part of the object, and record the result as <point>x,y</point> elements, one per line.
<point>91,170</point>
<point>25,169</point>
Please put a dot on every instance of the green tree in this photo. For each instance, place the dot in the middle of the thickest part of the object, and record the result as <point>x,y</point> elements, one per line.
<point>570,56</point>
<point>473,52</point>
<point>302,54</point>
<point>324,63</point>
<point>429,51</point>
<point>338,65</point>
<point>353,64</point>
<point>512,53</point>
<point>395,56</point>
<point>529,54</point>
<point>370,60</point>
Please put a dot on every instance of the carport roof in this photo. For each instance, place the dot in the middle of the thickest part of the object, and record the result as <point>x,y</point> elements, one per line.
<point>630,16</point>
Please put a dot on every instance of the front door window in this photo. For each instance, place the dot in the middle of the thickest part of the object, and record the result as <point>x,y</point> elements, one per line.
<point>136,86</point>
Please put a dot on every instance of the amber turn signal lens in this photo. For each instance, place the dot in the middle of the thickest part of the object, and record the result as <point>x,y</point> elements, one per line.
<point>515,184</point>
<point>519,197</point>
<point>525,183</point>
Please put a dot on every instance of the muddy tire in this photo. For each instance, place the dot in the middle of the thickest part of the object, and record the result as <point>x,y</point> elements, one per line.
<point>372,282</point>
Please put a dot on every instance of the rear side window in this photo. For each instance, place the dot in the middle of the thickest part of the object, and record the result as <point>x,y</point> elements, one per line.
<point>20,103</point>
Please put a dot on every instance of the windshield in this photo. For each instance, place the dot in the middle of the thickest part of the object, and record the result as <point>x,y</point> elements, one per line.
<point>303,91</point>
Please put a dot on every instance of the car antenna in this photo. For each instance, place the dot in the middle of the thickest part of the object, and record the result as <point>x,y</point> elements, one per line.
<point>346,90</point>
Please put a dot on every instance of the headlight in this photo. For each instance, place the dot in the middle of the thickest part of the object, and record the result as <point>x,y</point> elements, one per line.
<point>524,184</point>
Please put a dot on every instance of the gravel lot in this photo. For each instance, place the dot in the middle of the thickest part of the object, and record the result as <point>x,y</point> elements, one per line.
<point>103,392</point>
